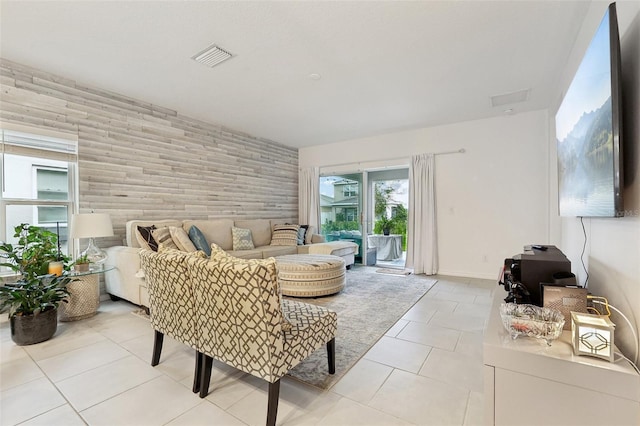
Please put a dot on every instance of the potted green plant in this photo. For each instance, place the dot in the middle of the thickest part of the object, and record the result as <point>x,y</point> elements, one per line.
<point>81,264</point>
<point>385,224</point>
<point>32,300</point>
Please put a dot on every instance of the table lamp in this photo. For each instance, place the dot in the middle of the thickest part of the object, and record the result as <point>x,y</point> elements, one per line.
<point>92,225</point>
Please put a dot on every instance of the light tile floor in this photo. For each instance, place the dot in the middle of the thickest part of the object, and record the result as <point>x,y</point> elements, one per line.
<point>426,370</point>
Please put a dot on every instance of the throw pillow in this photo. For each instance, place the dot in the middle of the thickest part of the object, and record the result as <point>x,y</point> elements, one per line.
<point>285,235</point>
<point>145,239</point>
<point>198,239</point>
<point>309,234</point>
<point>217,252</point>
<point>198,253</point>
<point>302,232</point>
<point>180,237</point>
<point>163,236</point>
<point>242,239</point>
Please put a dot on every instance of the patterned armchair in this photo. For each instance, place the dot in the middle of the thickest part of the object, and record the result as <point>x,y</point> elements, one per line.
<point>242,321</point>
<point>171,300</point>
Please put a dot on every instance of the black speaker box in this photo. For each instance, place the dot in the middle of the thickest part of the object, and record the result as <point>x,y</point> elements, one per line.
<point>537,266</point>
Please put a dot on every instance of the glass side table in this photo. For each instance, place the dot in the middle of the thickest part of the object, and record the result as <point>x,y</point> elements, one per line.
<point>84,295</point>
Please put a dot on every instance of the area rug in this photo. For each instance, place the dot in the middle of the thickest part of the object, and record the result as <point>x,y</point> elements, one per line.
<point>368,306</point>
<point>392,271</point>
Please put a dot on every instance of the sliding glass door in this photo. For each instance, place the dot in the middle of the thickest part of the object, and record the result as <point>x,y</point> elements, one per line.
<point>388,210</point>
<point>369,208</point>
<point>341,212</point>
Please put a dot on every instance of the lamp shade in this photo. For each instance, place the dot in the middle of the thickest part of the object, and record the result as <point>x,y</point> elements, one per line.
<point>91,225</point>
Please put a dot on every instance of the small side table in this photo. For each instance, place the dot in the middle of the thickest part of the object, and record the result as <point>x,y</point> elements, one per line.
<point>389,246</point>
<point>84,295</point>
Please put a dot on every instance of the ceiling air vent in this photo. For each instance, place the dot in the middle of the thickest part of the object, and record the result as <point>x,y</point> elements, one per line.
<point>510,98</point>
<point>212,56</point>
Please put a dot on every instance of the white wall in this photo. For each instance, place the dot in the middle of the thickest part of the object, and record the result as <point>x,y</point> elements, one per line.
<point>612,254</point>
<point>491,200</point>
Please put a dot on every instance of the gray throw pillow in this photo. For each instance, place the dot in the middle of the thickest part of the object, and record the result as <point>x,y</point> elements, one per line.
<point>242,239</point>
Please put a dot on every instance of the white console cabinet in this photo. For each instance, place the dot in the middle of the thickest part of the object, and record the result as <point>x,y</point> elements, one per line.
<point>527,382</point>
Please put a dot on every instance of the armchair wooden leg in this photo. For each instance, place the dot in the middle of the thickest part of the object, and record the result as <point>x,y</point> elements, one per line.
<point>272,407</point>
<point>157,348</point>
<point>331,354</point>
<point>197,377</point>
<point>205,374</point>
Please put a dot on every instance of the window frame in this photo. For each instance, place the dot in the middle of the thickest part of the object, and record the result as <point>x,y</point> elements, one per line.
<point>35,168</point>
<point>49,150</point>
<point>350,190</point>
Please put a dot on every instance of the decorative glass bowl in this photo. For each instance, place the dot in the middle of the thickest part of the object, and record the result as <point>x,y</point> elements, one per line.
<point>532,321</point>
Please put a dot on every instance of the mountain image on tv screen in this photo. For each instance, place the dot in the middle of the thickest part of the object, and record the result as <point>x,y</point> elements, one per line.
<point>584,134</point>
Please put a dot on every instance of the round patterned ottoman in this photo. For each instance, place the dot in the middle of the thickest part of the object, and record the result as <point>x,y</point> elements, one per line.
<point>310,275</point>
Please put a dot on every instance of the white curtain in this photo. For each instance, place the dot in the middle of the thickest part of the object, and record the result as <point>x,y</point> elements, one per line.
<point>309,197</point>
<point>422,242</point>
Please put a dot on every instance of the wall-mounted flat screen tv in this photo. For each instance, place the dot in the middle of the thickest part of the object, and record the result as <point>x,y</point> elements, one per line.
<point>589,129</point>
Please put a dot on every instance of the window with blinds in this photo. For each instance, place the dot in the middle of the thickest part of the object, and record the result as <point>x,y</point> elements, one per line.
<point>38,177</point>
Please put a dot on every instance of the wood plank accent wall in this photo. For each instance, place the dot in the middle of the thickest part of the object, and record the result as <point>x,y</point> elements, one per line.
<point>138,160</point>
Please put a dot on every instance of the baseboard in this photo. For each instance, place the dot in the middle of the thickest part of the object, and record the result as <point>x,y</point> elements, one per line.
<point>466,274</point>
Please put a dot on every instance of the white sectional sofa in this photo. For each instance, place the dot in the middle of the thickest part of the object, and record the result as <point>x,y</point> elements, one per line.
<point>127,282</point>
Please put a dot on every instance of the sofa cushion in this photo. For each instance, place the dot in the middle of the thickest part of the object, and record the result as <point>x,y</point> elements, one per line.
<point>285,235</point>
<point>131,228</point>
<point>242,239</point>
<point>246,254</point>
<point>162,249</point>
<point>215,230</point>
<point>144,236</point>
<point>182,240</point>
<point>199,240</point>
<point>260,230</point>
<point>273,251</point>
<point>163,236</point>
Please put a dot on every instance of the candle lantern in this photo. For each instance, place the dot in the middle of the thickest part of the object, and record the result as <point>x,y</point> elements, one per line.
<point>592,335</point>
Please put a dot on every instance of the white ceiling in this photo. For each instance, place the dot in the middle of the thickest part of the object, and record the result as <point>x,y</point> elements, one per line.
<point>384,66</point>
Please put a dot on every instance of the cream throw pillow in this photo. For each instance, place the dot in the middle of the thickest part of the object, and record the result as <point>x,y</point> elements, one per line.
<point>285,235</point>
<point>198,253</point>
<point>163,236</point>
<point>309,234</point>
<point>181,239</point>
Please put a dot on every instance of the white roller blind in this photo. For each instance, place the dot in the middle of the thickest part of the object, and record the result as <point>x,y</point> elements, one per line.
<point>42,146</point>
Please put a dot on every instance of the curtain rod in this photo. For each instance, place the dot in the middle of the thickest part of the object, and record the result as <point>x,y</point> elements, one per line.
<point>457,151</point>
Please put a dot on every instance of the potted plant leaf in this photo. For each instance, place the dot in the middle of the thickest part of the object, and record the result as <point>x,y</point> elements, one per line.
<point>81,264</point>
<point>32,300</point>
<point>385,224</point>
